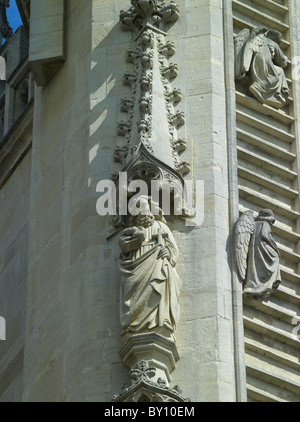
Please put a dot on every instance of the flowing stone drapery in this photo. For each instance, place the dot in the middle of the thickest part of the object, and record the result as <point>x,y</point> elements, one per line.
<point>150,283</point>
<point>257,255</point>
<point>263,275</point>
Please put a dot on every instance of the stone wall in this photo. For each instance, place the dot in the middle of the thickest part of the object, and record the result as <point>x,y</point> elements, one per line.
<point>58,341</point>
<point>73,328</point>
<point>205,371</point>
<point>14,227</point>
<point>268,171</point>
<point>15,182</point>
<point>54,245</point>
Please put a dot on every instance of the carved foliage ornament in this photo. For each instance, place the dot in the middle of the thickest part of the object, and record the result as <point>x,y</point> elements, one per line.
<point>256,253</point>
<point>142,388</point>
<point>5,30</point>
<point>152,12</point>
<point>259,57</point>
<point>151,131</point>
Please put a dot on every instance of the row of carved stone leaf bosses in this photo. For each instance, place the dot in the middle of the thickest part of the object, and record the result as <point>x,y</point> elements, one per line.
<point>151,60</point>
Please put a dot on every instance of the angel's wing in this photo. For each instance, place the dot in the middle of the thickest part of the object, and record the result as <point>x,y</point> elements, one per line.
<point>243,231</point>
<point>239,45</point>
<point>246,44</point>
<point>256,40</point>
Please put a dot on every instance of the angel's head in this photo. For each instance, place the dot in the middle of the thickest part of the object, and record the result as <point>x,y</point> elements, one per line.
<point>275,36</point>
<point>266,215</point>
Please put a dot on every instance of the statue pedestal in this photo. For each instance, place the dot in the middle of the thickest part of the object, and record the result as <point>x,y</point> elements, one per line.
<point>150,359</point>
<point>158,351</point>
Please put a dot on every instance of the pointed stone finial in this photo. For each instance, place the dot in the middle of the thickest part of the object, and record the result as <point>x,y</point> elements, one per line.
<point>149,12</point>
<point>5,30</point>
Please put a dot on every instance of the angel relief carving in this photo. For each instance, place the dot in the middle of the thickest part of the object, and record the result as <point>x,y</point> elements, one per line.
<point>256,253</point>
<point>259,56</point>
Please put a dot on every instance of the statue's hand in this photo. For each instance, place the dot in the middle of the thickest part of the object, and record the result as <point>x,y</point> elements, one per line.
<point>131,239</point>
<point>164,253</point>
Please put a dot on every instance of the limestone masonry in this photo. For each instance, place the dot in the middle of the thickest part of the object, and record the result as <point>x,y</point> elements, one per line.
<point>149,202</point>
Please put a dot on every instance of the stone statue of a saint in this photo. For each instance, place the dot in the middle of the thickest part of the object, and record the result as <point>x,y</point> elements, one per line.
<point>150,284</point>
<point>258,55</point>
<point>257,255</point>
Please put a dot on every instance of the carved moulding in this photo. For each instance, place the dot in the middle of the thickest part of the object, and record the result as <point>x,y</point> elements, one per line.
<point>260,61</point>
<point>157,350</point>
<point>256,253</point>
<point>143,389</point>
<point>146,167</point>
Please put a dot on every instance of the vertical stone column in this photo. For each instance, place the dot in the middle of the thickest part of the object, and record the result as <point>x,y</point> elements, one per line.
<point>206,370</point>
<point>237,288</point>
<point>206,338</point>
<point>150,286</point>
<point>74,279</point>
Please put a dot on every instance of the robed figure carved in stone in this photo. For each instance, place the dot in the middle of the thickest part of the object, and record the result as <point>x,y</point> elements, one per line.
<point>258,55</point>
<point>150,284</point>
<point>257,255</point>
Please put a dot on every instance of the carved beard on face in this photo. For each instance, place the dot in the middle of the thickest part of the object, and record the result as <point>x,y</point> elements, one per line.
<point>145,220</point>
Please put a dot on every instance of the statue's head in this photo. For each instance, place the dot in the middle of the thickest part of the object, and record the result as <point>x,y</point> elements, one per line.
<point>266,215</point>
<point>143,204</point>
<point>275,36</point>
